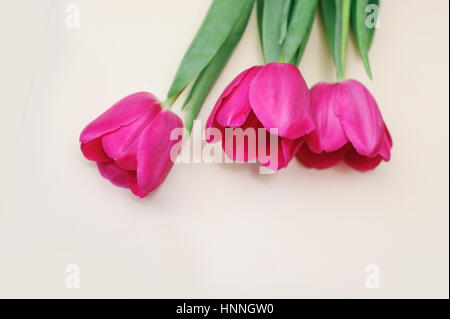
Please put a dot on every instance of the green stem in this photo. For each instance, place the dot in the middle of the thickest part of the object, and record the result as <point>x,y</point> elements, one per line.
<point>167,104</point>
<point>346,7</point>
<point>281,60</point>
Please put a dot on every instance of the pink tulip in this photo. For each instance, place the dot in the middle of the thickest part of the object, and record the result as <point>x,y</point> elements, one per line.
<point>131,143</point>
<point>349,127</point>
<point>274,96</point>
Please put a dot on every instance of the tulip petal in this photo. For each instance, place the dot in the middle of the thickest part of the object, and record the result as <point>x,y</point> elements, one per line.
<point>329,135</point>
<point>235,107</point>
<point>153,154</point>
<point>385,150</point>
<point>121,144</point>
<point>361,163</point>
<point>274,161</point>
<point>360,117</point>
<point>243,147</point>
<point>122,113</point>
<point>270,157</point>
<point>113,173</point>
<point>93,150</point>
<point>131,177</point>
<point>322,160</point>
<point>280,99</point>
<point>290,148</point>
<point>285,151</point>
<point>127,158</point>
<point>228,90</point>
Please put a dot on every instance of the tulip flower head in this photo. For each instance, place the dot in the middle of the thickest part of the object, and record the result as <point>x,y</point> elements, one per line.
<point>349,127</point>
<point>263,104</point>
<point>131,143</point>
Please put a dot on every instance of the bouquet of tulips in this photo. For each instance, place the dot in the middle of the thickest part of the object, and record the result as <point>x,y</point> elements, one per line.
<point>267,113</point>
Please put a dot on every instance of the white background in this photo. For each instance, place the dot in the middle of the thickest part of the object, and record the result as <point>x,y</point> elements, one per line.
<point>217,230</point>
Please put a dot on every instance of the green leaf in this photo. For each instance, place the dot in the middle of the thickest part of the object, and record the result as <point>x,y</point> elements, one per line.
<point>209,75</point>
<point>364,30</point>
<point>336,14</point>
<point>216,28</point>
<point>285,21</point>
<point>273,12</point>
<point>304,43</point>
<point>300,26</point>
<point>259,16</point>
